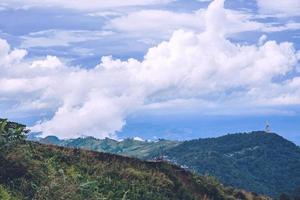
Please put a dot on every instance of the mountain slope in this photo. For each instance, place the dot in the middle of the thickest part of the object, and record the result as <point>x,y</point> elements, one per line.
<point>37,171</point>
<point>48,172</point>
<point>127,147</point>
<point>258,161</point>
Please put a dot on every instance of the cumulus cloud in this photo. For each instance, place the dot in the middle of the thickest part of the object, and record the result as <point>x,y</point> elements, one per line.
<point>160,24</point>
<point>204,67</point>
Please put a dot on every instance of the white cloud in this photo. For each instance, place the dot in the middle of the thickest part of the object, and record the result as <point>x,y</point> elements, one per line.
<point>91,5</point>
<point>105,14</point>
<point>262,39</point>
<point>289,26</point>
<point>138,139</point>
<point>279,7</point>
<point>204,67</point>
<point>151,26</point>
<point>156,23</point>
<point>160,24</point>
<point>50,38</point>
<point>50,62</point>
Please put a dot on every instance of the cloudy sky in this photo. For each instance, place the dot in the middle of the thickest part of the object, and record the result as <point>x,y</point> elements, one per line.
<point>176,69</point>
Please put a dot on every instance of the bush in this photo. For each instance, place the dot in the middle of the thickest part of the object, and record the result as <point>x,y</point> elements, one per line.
<point>11,133</point>
<point>5,195</point>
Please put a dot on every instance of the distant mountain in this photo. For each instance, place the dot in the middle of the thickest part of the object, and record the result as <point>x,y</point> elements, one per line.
<point>258,161</point>
<point>262,162</point>
<point>38,171</point>
<point>127,147</point>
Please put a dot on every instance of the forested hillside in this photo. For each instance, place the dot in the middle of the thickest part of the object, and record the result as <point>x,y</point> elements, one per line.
<point>258,161</point>
<point>33,171</point>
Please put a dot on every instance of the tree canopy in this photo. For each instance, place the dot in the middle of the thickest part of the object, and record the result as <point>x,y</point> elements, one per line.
<point>11,133</point>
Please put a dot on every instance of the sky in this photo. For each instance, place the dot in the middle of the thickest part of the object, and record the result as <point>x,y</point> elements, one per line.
<point>174,69</point>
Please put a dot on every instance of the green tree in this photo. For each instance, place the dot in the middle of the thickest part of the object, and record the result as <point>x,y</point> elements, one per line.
<point>11,133</point>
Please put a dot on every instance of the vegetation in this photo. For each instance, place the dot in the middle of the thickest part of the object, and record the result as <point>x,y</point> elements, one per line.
<point>127,147</point>
<point>11,134</point>
<point>33,171</point>
<point>262,162</point>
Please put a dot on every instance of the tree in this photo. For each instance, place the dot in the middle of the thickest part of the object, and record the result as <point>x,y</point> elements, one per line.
<point>11,133</point>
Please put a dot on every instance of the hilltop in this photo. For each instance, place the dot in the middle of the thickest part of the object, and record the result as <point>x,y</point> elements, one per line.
<point>257,161</point>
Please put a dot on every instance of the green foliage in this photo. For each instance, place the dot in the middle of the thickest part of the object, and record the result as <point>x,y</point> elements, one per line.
<point>5,195</point>
<point>11,133</point>
<point>262,162</point>
<point>33,171</point>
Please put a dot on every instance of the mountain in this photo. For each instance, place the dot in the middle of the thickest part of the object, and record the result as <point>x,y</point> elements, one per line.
<point>127,147</point>
<point>262,162</point>
<point>258,161</point>
<point>30,170</point>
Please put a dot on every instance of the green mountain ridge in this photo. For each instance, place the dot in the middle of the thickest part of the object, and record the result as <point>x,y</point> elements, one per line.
<point>258,161</point>
<point>126,147</point>
<point>34,171</point>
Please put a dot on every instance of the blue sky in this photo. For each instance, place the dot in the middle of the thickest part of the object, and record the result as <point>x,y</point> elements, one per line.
<point>151,68</point>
